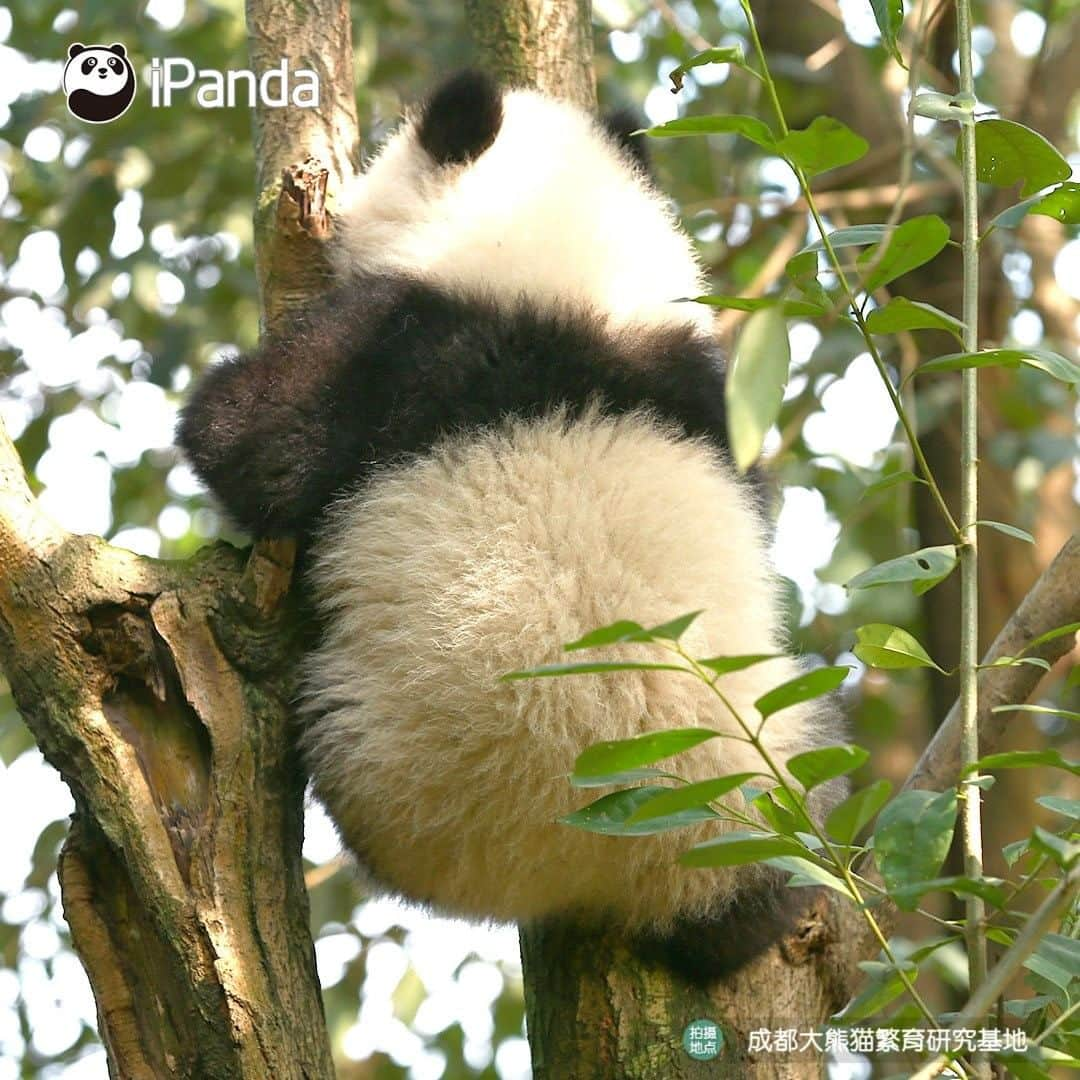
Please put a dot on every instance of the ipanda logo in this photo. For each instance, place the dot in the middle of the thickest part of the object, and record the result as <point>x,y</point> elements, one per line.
<point>99,83</point>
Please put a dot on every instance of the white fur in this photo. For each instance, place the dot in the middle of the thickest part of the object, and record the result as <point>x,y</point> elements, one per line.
<point>485,557</point>
<point>551,209</point>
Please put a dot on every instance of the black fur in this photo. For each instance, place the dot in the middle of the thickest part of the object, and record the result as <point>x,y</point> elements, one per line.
<point>461,119</point>
<point>390,365</point>
<point>703,951</point>
<point>621,126</point>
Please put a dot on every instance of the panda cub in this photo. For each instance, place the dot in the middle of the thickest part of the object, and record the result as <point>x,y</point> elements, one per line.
<point>498,432</point>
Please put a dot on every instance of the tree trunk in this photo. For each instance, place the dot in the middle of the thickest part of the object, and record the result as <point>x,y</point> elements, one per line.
<point>161,692</point>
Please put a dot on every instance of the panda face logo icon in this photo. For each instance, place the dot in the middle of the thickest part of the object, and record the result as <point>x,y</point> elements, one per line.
<point>99,82</point>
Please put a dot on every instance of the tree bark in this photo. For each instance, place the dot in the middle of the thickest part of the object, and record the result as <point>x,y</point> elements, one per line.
<point>161,691</point>
<point>541,43</point>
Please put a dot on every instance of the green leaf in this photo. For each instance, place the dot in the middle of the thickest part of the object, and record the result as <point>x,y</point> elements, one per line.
<point>611,815</point>
<point>790,308</point>
<point>724,665</point>
<point>1024,759</point>
<point>923,568</point>
<point>883,646</point>
<point>729,54</point>
<point>1068,371</point>
<point>627,776</point>
<point>1056,958</point>
<point>625,630</point>
<point>913,243</point>
<point>900,313</point>
<point>553,671</point>
<point>825,144</point>
<point>755,383</point>
<point>1050,635</point>
<point>787,817</point>
<point>619,755</point>
<point>804,872</point>
<point>814,767</point>
<point>812,684</point>
<point>1062,204</point>
<point>749,127</point>
<point>889,15</point>
<point>1012,661</point>
<point>1008,530</point>
<point>1007,152</point>
<point>1069,808</point>
<point>1045,710</point>
<point>615,633</point>
<point>894,479</point>
<point>738,848</point>
<point>877,994</point>
<point>850,236</point>
<point>673,629</point>
<point>690,796</point>
<point>912,837</point>
<point>1059,849</point>
<point>990,889</point>
<point>847,820</point>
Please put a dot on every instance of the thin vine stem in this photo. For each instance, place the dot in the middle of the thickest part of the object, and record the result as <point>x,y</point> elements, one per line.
<point>849,294</point>
<point>837,863</point>
<point>971,810</point>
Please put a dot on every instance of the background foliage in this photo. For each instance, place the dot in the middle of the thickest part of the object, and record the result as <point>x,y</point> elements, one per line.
<point>125,267</point>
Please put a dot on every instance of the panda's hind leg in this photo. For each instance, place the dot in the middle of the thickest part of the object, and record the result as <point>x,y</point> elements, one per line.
<point>701,951</point>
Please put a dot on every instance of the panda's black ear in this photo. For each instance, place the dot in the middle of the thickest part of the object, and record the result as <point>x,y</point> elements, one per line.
<point>461,119</point>
<point>74,50</point>
<point>117,48</point>
<point>621,125</point>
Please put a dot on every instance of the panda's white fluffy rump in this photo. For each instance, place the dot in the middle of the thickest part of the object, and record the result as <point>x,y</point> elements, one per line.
<point>442,574</point>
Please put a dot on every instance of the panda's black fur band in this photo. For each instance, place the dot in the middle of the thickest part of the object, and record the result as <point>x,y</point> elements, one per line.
<point>388,365</point>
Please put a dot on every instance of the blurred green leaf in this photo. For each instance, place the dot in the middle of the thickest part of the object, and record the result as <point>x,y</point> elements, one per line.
<point>912,838</point>
<point>1024,759</point>
<point>895,479</point>
<point>889,15</point>
<point>1009,530</point>
<point>790,308</point>
<point>738,848</point>
<point>555,671</point>
<point>847,820</point>
<point>755,383</point>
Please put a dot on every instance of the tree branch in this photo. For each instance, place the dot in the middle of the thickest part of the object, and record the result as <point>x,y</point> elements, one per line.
<point>1053,601</point>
